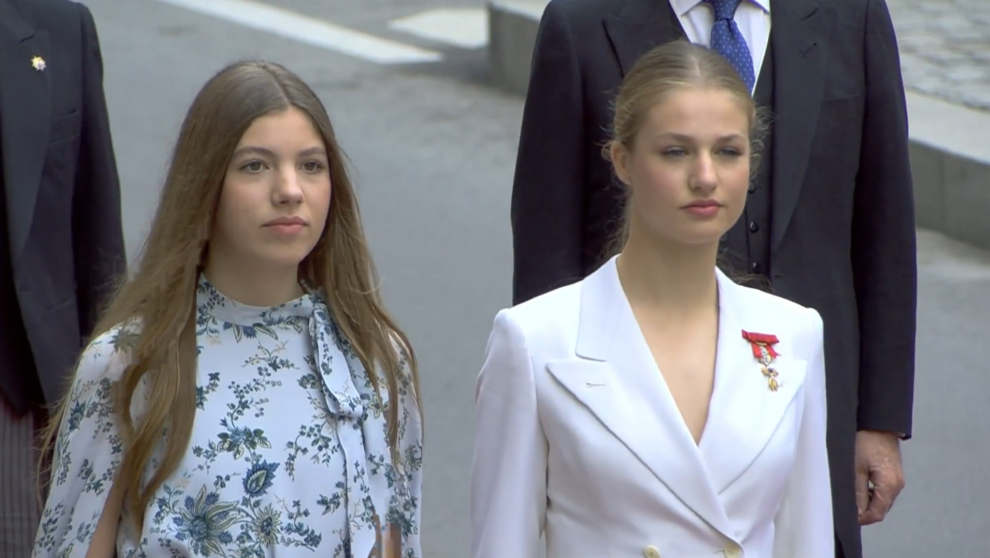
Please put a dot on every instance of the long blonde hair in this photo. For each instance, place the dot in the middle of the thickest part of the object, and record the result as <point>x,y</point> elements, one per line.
<point>162,294</point>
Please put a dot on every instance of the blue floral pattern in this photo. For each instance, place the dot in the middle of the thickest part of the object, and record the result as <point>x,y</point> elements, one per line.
<point>289,455</point>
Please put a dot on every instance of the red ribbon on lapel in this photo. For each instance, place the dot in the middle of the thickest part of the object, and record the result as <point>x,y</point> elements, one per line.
<point>758,340</point>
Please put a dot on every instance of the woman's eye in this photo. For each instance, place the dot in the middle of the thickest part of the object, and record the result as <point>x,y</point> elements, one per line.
<point>674,152</point>
<point>313,166</point>
<point>254,166</point>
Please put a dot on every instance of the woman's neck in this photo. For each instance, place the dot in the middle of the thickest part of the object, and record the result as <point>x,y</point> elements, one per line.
<point>674,280</point>
<point>254,285</point>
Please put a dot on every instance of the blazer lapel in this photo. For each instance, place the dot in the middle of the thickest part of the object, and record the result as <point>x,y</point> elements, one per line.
<point>642,25</point>
<point>744,412</point>
<point>616,378</point>
<point>800,30</point>
<point>25,113</point>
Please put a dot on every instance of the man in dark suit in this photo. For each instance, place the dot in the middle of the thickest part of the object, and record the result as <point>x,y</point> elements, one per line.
<point>830,216</point>
<point>61,244</point>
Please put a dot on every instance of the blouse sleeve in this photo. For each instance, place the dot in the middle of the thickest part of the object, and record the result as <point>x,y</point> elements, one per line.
<point>405,513</point>
<point>87,453</point>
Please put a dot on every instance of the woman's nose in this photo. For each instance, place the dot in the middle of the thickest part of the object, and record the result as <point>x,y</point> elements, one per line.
<point>288,189</point>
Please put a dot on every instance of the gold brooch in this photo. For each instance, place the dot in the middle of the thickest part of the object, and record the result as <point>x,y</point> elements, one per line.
<point>38,63</point>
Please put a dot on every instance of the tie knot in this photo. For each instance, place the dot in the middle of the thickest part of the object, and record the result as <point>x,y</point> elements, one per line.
<point>724,9</point>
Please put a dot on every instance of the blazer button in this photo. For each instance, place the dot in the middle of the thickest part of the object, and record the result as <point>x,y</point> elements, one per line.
<point>732,551</point>
<point>651,552</point>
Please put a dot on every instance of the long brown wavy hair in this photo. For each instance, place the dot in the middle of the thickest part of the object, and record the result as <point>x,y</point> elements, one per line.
<point>162,293</point>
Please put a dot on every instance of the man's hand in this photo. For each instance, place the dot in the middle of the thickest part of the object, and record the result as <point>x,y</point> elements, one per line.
<point>878,462</point>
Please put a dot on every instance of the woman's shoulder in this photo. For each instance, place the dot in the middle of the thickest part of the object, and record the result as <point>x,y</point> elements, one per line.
<point>555,311</point>
<point>780,314</point>
<point>108,354</point>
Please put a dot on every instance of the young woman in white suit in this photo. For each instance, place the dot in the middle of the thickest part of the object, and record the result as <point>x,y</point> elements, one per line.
<point>657,408</point>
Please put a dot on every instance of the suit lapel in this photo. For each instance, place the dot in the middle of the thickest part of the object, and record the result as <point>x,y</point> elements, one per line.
<point>25,113</point>
<point>617,380</point>
<point>800,30</point>
<point>642,25</point>
<point>744,413</point>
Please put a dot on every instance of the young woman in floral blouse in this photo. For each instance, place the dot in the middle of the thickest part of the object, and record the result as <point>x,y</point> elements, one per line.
<point>272,405</point>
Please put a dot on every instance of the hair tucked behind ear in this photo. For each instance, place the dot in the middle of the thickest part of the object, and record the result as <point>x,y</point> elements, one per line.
<point>665,69</point>
<point>161,297</point>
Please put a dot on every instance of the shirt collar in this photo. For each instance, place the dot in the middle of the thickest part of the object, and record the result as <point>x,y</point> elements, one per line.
<point>682,7</point>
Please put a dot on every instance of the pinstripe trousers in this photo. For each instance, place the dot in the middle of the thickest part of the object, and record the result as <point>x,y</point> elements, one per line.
<point>19,509</point>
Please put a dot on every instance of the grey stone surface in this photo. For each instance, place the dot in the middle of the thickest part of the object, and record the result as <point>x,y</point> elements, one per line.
<point>928,171</point>
<point>950,163</point>
<point>967,211</point>
<point>945,48</point>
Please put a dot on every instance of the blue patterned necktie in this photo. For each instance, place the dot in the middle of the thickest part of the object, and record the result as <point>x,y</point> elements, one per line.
<point>729,42</point>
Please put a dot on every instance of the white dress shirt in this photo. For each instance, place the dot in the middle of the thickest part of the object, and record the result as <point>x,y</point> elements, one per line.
<point>752,17</point>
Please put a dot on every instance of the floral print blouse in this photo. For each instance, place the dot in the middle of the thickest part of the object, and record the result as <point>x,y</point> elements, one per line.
<point>289,454</point>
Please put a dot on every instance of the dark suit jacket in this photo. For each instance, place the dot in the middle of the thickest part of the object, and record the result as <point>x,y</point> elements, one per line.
<point>60,178</point>
<point>842,214</point>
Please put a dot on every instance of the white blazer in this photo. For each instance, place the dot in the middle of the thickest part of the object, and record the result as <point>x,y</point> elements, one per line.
<point>578,436</point>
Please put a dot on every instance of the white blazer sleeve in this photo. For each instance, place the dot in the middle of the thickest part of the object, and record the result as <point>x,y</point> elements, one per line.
<point>803,526</point>
<point>509,469</point>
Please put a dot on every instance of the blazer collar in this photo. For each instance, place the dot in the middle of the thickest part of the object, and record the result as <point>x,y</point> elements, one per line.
<point>603,302</point>
<point>25,115</point>
<point>800,32</point>
<point>640,26</point>
<point>615,376</point>
<point>14,22</point>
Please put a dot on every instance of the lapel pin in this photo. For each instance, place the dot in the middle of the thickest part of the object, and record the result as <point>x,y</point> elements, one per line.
<point>765,354</point>
<point>38,63</point>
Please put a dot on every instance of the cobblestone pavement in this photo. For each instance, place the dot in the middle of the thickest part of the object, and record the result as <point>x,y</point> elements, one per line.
<point>945,48</point>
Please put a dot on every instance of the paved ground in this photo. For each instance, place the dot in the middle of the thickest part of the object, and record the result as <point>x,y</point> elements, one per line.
<point>945,48</point>
<point>434,149</point>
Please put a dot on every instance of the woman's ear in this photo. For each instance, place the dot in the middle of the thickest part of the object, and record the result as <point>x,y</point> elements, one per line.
<point>620,161</point>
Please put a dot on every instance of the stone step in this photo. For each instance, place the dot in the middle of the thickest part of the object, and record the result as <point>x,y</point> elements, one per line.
<point>512,27</point>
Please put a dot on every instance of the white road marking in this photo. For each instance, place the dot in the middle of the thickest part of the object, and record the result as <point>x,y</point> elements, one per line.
<point>311,31</point>
<point>461,27</point>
